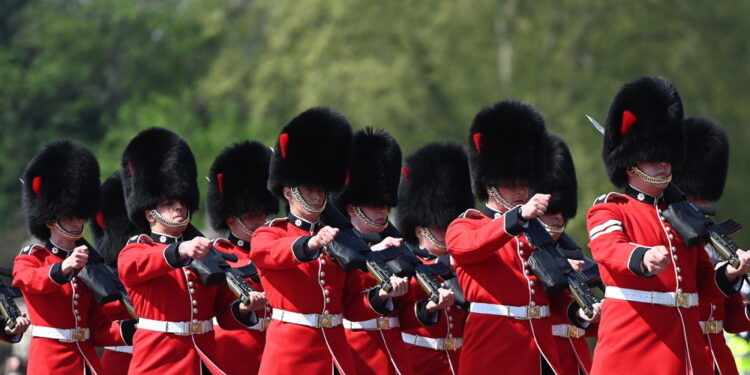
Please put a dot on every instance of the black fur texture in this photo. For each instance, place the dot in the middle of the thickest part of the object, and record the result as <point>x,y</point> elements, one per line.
<point>704,172</point>
<point>560,179</point>
<point>117,229</point>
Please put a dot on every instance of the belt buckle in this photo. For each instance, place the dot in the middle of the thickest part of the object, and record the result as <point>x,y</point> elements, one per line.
<point>533,312</point>
<point>325,321</point>
<point>682,300</point>
<point>573,331</point>
<point>196,328</point>
<point>712,327</point>
<point>79,334</point>
<point>449,343</point>
<point>384,322</point>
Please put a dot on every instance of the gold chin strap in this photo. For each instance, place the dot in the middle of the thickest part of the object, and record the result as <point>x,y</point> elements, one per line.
<point>65,233</point>
<point>431,238</point>
<point>242,226</point>
<point>499,198</point>
<point>306,206</point>
<point>650,179</point>
<point>551,229</point>
<point>361,215</point>
<point>169,223</point>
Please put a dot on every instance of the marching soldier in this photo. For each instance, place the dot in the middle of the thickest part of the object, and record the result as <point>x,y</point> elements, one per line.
<point>370,192</point>
<point>239,203</point>
<point>702,178</point>
<point>111,229</point>
<point>507,155</point>
<point>435,188</point>
<point>302,282</point>
<point>60,191</point>
<point>174,307</point>
<point>572,348</point>
<point>650,315</point>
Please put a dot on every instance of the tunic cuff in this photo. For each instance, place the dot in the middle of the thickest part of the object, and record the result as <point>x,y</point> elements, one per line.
<point>57,276</point>
<point>635,263</point>
<point>377,304</point>
<point>172,256</point>
<point>425,317</point>
<point>574,318</point>
<point>10,338</point>
<point>514,224</point>
<point>248,320</point>
<point>726,286</point>
<point>302,252</point>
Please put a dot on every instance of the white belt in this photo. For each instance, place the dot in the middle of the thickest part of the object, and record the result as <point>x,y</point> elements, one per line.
<point>62,334</point>
<point>262,324</point>
<point>310,320</point>
<point>672,299</point>
<point>517,312</point>
<point>382,322</point>
<point>567,330</point>
<point>453,343</point>
<point>178,328</point>
<point>712,326</point>
<point>120,349</point>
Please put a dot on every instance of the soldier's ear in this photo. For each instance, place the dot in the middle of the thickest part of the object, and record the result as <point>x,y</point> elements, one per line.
<point>418,233</point>
<point>287,193</point>
<point>350,210</point>
<point>149,217</point>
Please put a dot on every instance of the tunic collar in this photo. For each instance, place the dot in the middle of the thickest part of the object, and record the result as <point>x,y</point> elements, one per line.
<point>56,250</point>
<point>165,238</point>
<point>242,244</point>
<point>302,223</point>
<point>643,197</point>
<point>491,212</point>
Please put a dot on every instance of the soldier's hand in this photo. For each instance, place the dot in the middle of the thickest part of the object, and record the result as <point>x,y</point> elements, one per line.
<point>535,207</point>
<point>744,268</point>
<point>386,243</point>
<point>323,238</point>
<point>656,259</point>
<point>400,287</point>
<point>576,264</point>
<point>197,248</point>
<point>446,299</point>
<point>22,324</point>
<point>76,260</point>
<point>597,313</point>
<point>257,302</point>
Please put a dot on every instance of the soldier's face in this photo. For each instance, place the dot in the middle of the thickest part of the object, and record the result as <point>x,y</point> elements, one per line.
<point>661,169</point>
<point>437,233</point>
<point>173,209</point>
<point>313,195</point>
<point>555,221</point>
<point>516,192</point>
<point>253,220</point>
<point>378,214</point>
<point>71,224</point>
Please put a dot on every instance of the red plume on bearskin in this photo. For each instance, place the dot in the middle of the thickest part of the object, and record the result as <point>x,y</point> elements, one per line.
<point>61,180</point>
<point>237,183</point>
<point>111,227</point>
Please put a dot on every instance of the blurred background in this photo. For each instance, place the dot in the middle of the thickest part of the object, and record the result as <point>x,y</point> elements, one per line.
<point>222,71</point>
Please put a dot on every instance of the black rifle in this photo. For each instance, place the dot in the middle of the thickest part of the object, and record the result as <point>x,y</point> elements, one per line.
<point>424,275</point>
<point>695,228</point>
<point>214,269</point>
<point>8,308</point>
<point>444,269</point>
<point>352,252</point>
<point>551,267</point>
<point>102,280</point>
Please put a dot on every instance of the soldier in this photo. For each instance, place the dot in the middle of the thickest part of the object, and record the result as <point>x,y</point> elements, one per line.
<point>60,191</point>
<point>111,229</point>
<point>435,188</point>
<point>174,307</point>
<point>572,349</point>
<point>302,282</point>
<point>507,155</point>
<point>239,203</point>
<point>370,192</point>
<point>650,315</point>
<point>702,177</point>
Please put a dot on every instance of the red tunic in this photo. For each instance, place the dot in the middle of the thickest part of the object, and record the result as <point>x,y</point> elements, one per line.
<point>162,290</point>
<point>733,314</point>
<point>240,351</point>
<point>491,263</point>
<point>56,301</point>
<point>311,287</point>
<point>451,326</point>
<point>636,337</point>
<point>116,362</point>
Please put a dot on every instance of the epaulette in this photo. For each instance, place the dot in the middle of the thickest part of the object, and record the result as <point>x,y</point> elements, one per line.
<point>471,214</point>
<point>140,238</point>
<point>271,222</point>
<point>609,197</point>
<point>29,250</point>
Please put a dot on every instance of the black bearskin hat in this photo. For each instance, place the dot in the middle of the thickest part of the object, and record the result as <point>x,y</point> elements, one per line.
<point>157,165</point>
<point>704,171</point>
<point>374,171</point>
<point>237,183</point>
<point>560,179</point>
<point>644,124</point>
<point>61,180</point>
<point>435,188</point>
<point>313,149</point>
<point>506,143</point>
<point>111,227</point>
